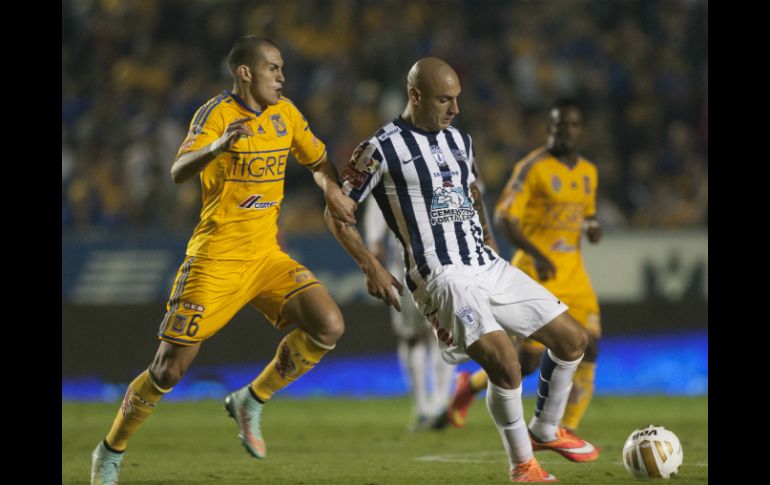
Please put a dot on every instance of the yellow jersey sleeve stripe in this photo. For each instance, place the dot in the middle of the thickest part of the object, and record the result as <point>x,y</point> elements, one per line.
<point>209,110</point>
<point>318,161</point>
<point>527,164</point>
<point>292,292</point>
<point>203,113</point>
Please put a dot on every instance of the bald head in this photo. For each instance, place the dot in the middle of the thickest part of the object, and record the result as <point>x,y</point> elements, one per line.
<point>433,87</point>
<point>431,73</point>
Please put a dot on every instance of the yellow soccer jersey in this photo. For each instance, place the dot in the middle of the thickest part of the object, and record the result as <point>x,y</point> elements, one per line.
<point>243,186</point>
<point>550,201</point>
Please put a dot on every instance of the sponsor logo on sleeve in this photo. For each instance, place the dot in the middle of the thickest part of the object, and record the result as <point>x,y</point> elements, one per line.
<point>389,133</point>
<point>361,165</point>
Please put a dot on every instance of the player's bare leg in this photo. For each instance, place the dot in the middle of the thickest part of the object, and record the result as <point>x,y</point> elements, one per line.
<point>566,341</point>
<point>497,355</point>
<point>320,326</point>
<point>169,365</point>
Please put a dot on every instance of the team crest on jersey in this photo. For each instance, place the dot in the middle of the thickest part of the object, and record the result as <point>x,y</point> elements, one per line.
<point>278,124</point>
<point>450,204</point>
<point>437,154</point>
<point>556,183</point>
<point>468,317</point>
<point>260,130</point>
<point>459,154</point>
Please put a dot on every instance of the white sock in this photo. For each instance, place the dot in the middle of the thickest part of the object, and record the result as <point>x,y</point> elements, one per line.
<point>554,384</point>
<point>413,359</point>
<point>505,407</point>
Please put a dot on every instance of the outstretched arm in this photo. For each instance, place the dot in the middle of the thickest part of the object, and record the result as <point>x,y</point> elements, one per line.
<point>342,208</point>
<point>379,282</point>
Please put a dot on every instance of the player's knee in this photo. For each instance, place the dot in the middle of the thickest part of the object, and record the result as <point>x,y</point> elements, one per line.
<point>167,374</point>
<point>573,346</point>
<point>505,373</point>
<point>330,327</point>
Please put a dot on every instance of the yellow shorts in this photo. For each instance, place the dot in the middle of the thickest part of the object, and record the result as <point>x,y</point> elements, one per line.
<point>586,312</point>
<point>207,293</point>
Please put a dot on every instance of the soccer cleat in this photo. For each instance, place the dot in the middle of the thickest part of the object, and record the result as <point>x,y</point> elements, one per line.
<point>530,472</point>
<point>247,412</point>
<point>105,466</point>
<point>461,401</point>
<point>568,445</point>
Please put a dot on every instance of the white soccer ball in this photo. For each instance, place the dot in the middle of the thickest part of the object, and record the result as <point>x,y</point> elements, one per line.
<point>652,452</point>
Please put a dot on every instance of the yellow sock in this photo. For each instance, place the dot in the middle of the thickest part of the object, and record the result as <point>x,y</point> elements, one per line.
<point>580,396</point>
<point>141,397</point>
<point>297,353</point>
<point>478,380</point>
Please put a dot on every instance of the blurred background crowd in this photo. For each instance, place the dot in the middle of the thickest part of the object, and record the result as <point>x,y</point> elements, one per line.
<point>135,72</point>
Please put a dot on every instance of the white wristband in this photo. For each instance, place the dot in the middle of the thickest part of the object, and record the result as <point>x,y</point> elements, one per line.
<point>216,147</point>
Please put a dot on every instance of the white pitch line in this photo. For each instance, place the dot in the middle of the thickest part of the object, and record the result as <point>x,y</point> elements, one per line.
<point>498,456</point>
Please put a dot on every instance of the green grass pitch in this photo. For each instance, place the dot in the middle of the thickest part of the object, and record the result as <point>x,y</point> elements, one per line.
<point>365,442</point>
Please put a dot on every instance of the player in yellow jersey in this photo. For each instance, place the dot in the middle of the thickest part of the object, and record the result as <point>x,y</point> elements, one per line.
<point>238,145</point>
<point>546,205</point>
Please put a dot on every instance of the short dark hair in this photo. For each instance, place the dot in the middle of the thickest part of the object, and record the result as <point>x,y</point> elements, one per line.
<point>246,51</point>
<point>562,103</point>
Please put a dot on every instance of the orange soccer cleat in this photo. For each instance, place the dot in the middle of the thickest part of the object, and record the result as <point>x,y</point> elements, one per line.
<point>569,445</point>
<point>461,401</point>
<point>530,472</point>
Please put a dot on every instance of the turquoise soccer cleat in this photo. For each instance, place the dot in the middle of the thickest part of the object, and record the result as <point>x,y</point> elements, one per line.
<point>105,466</point>
<point>247,412</point>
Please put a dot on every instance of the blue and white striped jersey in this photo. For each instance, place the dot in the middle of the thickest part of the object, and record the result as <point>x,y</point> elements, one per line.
<point>421,182</point>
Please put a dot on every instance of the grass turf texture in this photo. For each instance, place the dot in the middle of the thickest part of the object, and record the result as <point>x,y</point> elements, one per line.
<point>365,442</point>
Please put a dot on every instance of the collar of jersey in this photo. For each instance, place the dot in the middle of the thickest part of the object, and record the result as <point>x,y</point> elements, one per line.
<point>243,104</point>
<point>402,123</point>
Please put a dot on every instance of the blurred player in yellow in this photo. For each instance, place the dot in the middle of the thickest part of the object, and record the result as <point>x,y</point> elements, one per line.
<point>546,205</point>
<point>238,145</point>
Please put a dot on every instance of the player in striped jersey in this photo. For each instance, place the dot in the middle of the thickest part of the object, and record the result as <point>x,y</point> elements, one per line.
<point>548,202</point>
<point>238,146</point>
<point>422,173</point>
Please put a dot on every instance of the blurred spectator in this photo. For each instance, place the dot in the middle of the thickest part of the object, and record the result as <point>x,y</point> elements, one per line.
<point>133,74</point>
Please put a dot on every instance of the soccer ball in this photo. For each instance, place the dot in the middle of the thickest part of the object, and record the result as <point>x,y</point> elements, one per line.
<point>652,452</point>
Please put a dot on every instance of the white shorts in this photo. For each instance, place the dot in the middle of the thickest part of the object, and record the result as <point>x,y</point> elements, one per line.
<point>465,303</point>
